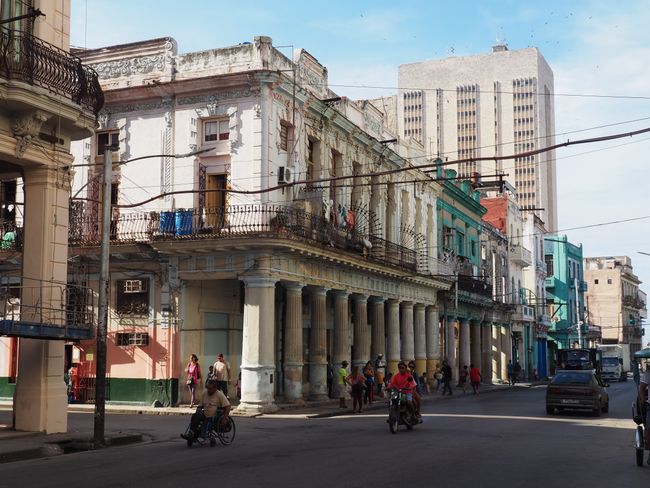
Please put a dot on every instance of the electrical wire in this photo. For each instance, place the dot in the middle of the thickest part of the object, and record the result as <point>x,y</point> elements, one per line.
<point>399,170</point>
<point>490,92</point>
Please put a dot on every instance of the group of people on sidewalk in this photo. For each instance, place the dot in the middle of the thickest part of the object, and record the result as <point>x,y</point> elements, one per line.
<point>362,384</point>
<point>219,372</point>
<point>443,376</point>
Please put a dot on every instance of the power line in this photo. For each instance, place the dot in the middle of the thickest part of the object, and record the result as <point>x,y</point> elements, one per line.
<point>400,170</point>
<point>491,92</point>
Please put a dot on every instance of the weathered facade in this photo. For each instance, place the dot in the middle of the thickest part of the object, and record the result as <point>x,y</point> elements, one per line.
<point>293,236</point>
<point>565,292</point>
<point>613,299</point>
<point>48,98</point>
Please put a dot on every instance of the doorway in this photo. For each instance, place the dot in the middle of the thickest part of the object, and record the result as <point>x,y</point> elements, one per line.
<point>215,208</point>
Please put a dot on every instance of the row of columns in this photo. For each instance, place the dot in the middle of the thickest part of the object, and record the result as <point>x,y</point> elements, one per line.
<point>411,333</point>
<point>486,345</point>
<point>400,330</point>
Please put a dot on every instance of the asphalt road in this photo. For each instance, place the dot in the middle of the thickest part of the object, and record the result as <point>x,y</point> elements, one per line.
<point>491,440</point>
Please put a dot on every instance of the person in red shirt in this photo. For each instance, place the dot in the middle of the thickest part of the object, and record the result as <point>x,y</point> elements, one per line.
<point>475,378</point>
<point>404,382</point>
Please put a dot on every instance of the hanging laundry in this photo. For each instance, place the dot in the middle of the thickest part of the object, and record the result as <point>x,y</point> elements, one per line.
<point>343,214</point>
<point>350,219</point>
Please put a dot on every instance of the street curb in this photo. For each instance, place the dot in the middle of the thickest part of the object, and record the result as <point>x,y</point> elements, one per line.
<point>67,446</point>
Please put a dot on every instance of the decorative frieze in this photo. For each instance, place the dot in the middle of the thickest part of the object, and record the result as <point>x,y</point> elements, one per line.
<point>214,98</point>
<point>130,67</point>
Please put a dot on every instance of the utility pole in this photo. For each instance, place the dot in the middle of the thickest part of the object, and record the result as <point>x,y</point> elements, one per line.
<point>102,323</point>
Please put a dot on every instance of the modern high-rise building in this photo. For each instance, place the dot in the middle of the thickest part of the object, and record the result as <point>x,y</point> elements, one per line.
<point>487,105</point>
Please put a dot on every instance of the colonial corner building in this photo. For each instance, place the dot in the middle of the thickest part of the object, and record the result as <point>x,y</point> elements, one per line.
<point>254,213</point>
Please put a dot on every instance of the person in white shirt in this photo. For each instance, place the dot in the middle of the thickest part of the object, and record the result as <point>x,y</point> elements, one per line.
<point>222,374</point>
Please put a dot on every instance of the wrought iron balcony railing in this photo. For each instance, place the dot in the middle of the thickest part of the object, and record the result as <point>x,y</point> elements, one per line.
<point>248,221</point>
<point>474,285</point>
<point>29,59</point>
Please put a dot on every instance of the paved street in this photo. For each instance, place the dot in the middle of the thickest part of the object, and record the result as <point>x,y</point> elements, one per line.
<point>487,440</point>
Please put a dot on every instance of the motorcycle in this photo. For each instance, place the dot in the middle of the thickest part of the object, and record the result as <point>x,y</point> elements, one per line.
<point>401,410</point>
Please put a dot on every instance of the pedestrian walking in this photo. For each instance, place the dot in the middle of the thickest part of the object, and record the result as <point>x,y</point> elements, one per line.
<point>475,378</point>
<point>222,373</point>
<point>342,382</point>
<point>446,378</point>
<point>462,379</point>
<point>369,374</point>
<point>330,376</point>
<point>380,372</point>
<point>438,377</point>
<point>357,382</point>
<point>193,371</point>
<point>511,373</point>
<point>516,371</point>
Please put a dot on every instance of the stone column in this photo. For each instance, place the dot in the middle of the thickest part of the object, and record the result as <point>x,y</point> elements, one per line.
<point>486,358</point>
<point>406,332</point>
<point>450,345</point>
<point>463,344</point>
<point>392,328</point>
<point>341,349</point>
<point>497,359</point>
<point>475,342</point>
<point>40,398</point>
<point>420,338</point>
<point>432,326</point>
<point>258,346</point>
<point>361,332</point>
<point>293,359</point>
<point>378,331</point>
<point>318,345</point>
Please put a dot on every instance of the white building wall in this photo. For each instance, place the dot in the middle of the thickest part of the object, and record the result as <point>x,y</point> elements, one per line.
<point>485,70</point>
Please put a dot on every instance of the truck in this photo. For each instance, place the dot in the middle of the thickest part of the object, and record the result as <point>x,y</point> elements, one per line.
<point>580,358</point>
<point>616,361</point>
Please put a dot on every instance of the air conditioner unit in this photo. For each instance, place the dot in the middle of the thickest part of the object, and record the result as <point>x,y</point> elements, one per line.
<point>135,286</point>
<point>284,175</point>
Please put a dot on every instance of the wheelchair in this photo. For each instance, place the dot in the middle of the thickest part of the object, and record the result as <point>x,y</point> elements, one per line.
<point>211,430</point>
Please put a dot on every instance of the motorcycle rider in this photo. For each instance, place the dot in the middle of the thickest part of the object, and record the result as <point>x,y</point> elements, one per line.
<point>404,382</point>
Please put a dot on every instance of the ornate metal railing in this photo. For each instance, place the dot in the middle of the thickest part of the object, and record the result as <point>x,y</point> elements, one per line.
<point>27,58</point>
<point>245,221</point>
<point>474,285</point>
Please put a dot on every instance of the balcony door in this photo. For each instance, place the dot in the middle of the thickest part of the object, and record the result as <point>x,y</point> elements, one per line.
<point>215,207</point>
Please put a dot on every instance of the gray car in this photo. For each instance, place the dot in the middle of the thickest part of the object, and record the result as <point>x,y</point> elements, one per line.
<point>577,389</point>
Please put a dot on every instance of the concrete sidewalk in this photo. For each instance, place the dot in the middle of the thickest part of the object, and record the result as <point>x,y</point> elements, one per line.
<point>16,446</point>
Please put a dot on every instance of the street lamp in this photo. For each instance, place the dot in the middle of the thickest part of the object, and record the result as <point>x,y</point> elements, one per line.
<point>102,322</point>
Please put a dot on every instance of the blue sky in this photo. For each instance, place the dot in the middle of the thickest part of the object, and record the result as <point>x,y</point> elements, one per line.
<point>594,48</point>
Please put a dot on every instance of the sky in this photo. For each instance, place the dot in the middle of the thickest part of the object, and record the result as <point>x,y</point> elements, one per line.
<point>598,51</point>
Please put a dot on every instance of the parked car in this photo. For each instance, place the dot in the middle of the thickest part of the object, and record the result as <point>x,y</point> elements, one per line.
<point>577,389</point>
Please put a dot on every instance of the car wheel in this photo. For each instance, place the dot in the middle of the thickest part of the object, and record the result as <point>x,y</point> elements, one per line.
<point>550,410</point>
<point>639,457</point>
<point>606,408</point>
<point>598,410</point>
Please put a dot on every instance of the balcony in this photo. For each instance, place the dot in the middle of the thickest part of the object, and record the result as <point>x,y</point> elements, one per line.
<point>250,222</point>
<point>474,285</point>
<point>524,313</point>
<point>30,60</point>
<point>46,310</point>
<point>550,282</point>
<point>520,255</point>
